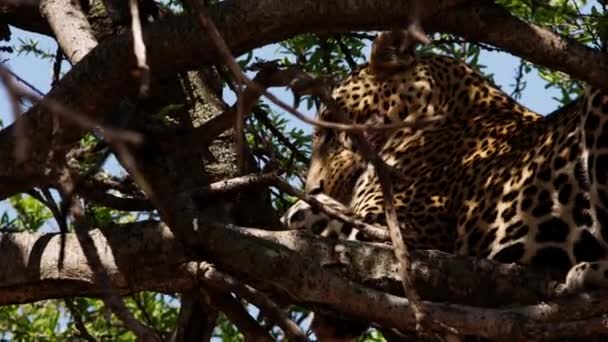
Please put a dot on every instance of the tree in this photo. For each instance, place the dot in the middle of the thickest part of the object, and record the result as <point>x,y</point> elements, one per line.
<point>164,249</point>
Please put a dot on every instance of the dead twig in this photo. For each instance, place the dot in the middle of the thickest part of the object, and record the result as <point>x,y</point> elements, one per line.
<point>230,61</point>
<point>91,191</point>
<point>384,173</point>
<point>375,233</point>
<point>272,179</point>
<point>399,247</point>
<point>22,80</point>
<point>207,273</point>
<point>304,84</point>
<point>45,197</point>
<point>109,133</point>
<point>300,82</point>
<point>263,118</point>
<point>110,297</point>
<point>82,329</point>
<point>15,94</point>
<point>348,56</point>
<point>236,313</point>
<point>139,49</point>
<point>57,66</point>
<point>235,184</point>
<point>271,76</point>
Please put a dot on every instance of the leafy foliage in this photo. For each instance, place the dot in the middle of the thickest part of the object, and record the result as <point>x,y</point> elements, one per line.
<point>30,214</point>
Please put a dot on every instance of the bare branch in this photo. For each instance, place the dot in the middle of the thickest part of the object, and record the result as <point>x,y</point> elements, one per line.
<point>238,183</point>
<point>14,93</point>
<point>73,32</point>
<point>110,296</point>
<point>28,84</point>
<point>92,192</point>
<point>251,253</point>
<point>139,48</point>
<point>82,329</point>
<point>401,251</point>
<point>375,233</point>
<point>196,320</point>
<point>347,54</point>
<point>145,256</point>
<point>263,118</point>
<point>230,61</point>
<point>57,66</point>
<point>109,133</point>
<point>236,313</point>
<point>220,280</point>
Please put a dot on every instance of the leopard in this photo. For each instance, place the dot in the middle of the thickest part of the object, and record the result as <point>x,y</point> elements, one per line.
<point>479,174</point>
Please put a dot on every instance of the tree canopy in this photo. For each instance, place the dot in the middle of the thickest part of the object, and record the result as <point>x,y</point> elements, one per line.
<point>178,236</point>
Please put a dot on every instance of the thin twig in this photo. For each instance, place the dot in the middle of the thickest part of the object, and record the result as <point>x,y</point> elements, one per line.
<point>114,202</point>
<point>236,313</point>
<point>57,66</point>
<point>261,116</point>
<point>82,329</point>
<point>384,173</point>
<point>520,83</point>
<point>300,82</point>
<point>399,247</point>
<point>15,94</point>
<point>146,315</point>
<point>326,53</point>
<point>360,35</point>
<point>209,274</point>
<point>109,133</point>
<point>230,61</point>
<point>235,184</point>
<point>45,197</point>
<point>110,296</point>
<point>270,76</point>
<point>22,80</point>
<point>139,49</point>
<point>373,232</point>
<point>272,179</point>
<point>348,56</point>
<point>585,26</point>
<point>336,125</point>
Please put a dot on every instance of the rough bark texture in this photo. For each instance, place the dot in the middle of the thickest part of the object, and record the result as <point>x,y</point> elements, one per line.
<point>70,26</point>
<point>148,256</point>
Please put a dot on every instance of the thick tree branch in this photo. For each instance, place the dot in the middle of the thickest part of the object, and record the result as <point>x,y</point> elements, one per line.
<point>97,84</point>
<point>492,24</point>
<point>29,268</point>
<point>146,256</point>
<point>70,26</point>
<point>141,256</point>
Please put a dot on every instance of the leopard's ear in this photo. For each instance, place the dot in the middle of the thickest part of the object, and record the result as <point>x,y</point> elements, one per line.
<point>392,51</point>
